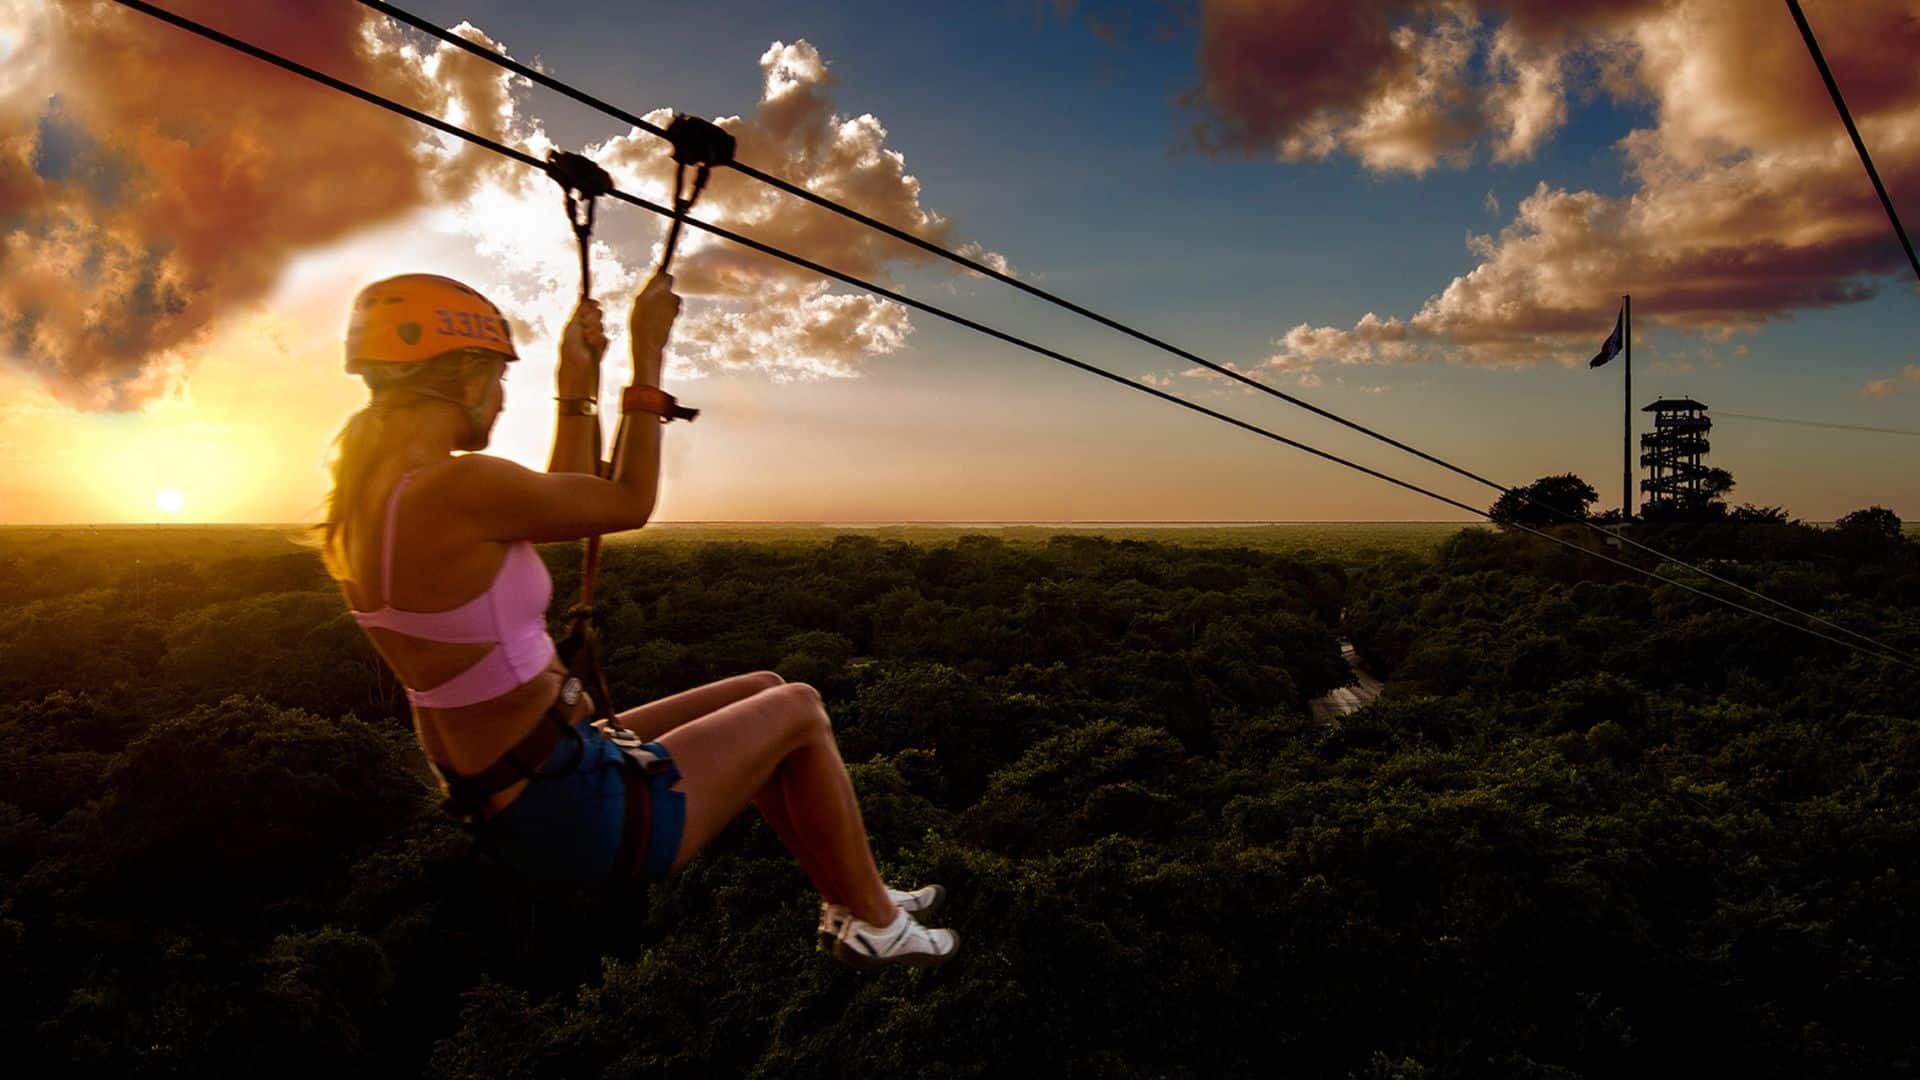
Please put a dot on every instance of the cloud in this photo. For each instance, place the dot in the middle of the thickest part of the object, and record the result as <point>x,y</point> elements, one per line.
<point>1886,388</point>
<point>1302,349</point>
<point>990,259</point>
<point>133,218</point>
<point>755,312</point>
<point>798,331</point>
<point>1218,378</point>
<point>751,312</point>
<point>1403,85</point>
<point>797,134</point>
<point>1527,103</point>
<point>1745,201</point>
<point>133,222</point>
<point>1373,340</point>
<point>1302,375</point>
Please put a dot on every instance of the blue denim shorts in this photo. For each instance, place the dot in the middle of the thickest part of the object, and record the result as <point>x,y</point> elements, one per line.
<point>566,825</point>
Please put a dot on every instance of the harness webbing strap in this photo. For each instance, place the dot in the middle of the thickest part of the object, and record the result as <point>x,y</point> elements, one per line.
<point>467,795</point>
<point>639,820</point>
<point>580,650</point>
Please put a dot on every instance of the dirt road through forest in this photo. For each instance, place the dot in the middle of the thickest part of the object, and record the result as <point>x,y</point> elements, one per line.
<point>1343,700</point>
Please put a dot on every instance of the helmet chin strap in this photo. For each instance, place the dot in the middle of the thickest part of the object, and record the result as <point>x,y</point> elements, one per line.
<point>476,421</point>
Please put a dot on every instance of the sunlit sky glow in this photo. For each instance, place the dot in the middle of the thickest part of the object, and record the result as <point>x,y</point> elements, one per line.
<point>1051,135</point>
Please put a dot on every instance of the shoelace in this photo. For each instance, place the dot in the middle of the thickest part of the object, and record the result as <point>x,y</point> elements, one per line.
<point>835,914</point>
<point>868,944</point>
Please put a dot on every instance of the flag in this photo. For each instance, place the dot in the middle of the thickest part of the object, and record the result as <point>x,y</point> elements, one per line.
<point>1611,347</point>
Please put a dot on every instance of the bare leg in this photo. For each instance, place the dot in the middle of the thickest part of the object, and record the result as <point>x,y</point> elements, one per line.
<point>729,755</point>
<point>656,718</point>
<point>772,802</point>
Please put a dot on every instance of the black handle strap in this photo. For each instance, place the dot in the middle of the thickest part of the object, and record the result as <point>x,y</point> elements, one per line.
<point>582,181</point>
<point>701,145</point>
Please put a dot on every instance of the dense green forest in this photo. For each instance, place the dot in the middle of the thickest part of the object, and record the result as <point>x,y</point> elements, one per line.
<point>1595,826</point>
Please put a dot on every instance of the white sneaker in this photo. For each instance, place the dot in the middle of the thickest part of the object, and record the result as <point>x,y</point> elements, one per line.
<point>918,902</point>
<point>921,901</point>
<point>865,946</point>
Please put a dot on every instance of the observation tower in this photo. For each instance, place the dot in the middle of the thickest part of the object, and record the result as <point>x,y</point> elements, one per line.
<point>1671,453</point>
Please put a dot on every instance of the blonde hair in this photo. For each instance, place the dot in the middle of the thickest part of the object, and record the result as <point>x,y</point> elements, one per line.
<point>398,390</point>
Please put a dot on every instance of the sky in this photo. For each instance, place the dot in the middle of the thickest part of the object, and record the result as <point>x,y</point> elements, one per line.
<point>1418,215</point>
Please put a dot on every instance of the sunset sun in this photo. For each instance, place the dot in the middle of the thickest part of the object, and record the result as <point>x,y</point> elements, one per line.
<point>169,500</point>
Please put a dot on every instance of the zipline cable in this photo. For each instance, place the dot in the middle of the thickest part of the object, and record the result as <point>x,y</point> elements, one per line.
<point>1840,103</point>
<point>532,162</point>
<point>513,65</point>
<point>979,267</point>
<point>1819,424</point>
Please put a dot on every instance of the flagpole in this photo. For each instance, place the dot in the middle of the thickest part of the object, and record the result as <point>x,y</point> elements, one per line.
<point>1626,446</point>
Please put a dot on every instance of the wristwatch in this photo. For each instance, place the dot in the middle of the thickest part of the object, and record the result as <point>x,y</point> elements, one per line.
<point>657,401</point>
<point>578,406</point>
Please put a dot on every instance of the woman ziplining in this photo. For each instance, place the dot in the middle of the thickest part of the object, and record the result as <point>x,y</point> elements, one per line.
<point>434,553</point>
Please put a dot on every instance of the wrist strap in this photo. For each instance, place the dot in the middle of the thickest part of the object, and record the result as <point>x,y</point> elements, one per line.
<point>652,399</point>
<point>578,406</point>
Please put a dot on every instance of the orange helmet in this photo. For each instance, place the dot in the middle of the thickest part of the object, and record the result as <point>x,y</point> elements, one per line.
<point>416,317</point>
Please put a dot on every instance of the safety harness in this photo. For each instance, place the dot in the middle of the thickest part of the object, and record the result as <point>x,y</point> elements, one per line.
<point>699,145</point>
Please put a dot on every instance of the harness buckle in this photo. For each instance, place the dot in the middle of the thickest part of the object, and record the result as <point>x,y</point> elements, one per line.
<point>630,744</point>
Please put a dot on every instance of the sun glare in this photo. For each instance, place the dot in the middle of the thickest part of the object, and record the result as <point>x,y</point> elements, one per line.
<point>169,500</point>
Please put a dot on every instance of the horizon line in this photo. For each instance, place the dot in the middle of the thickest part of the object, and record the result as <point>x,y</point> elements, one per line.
<point>773,521</point>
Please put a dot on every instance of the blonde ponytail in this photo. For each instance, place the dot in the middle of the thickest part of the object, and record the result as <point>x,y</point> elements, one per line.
<point>398,390</point>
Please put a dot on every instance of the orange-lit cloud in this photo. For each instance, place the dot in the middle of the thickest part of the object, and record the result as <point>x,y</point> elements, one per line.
<point>745,312</point>
<point>1886,388</point>
<point>763,313</point>
<point>1747,202</point>
<point>1403,85</point>
<point>133,222</point>
<point>152,183</point>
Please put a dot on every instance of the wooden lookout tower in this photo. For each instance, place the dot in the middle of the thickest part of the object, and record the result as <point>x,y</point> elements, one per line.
<point>1671,453</point>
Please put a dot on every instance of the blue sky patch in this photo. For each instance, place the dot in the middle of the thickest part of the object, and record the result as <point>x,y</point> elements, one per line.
<point>65,153</point>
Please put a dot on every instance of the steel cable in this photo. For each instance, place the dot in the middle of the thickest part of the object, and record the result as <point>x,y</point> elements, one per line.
<point>1840,104</point>
<point>1820,424</point>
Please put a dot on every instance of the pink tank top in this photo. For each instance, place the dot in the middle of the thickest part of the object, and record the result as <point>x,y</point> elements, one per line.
<point>512,614</point>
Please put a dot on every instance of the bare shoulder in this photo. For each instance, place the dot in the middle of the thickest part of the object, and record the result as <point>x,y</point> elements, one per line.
<point>491,498</point>
<point>478,472</point>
